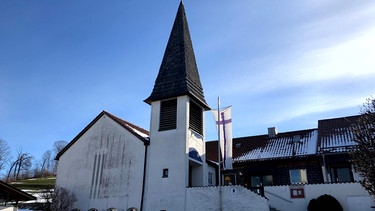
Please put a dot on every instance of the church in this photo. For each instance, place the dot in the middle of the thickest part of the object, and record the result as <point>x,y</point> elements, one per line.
<point>113,164</point>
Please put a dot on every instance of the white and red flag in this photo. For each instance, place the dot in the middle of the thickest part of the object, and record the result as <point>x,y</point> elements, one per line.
<point>223,120</point>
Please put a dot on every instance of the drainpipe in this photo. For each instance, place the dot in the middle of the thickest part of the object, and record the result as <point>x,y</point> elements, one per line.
<point>146,143</point>
<point>324,169</point>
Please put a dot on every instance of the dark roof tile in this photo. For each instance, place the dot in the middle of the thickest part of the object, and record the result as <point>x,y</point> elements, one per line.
<point>335,134</point>
<point>178,73</point>
<point>263,147</point>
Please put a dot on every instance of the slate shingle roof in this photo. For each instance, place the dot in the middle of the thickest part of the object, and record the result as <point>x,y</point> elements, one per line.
<point>335,134</point>
<point>178,73</point>
<point>263,147</point>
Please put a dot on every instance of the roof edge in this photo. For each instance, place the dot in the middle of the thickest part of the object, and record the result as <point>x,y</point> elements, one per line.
<point>114,118</point>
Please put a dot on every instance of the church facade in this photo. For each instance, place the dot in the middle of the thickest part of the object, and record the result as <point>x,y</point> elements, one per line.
<point>114,165</point>
<point>103,165</point>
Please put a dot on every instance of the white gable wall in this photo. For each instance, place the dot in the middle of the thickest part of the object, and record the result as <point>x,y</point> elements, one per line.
<point>104,167</point>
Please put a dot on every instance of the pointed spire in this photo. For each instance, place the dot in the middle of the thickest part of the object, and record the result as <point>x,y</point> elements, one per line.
<point>178,73</point>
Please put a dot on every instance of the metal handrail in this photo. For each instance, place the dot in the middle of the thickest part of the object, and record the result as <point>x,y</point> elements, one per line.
<point>287,200</point>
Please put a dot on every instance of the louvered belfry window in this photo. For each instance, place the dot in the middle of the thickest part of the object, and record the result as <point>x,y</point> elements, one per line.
<point>168,115</point>
<point>196,118</point>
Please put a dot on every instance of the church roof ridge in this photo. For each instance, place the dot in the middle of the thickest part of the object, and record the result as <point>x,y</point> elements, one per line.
<point>139,132</point>
<point>178,74</point>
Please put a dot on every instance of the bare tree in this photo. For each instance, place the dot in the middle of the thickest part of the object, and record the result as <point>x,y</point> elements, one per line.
<point>46,162</point>
<point>44,167</point>
<point>4,153</point>
<point>363,155</point>
<point>58,199</point>
<point>22,164</point>
<point>57,147</point>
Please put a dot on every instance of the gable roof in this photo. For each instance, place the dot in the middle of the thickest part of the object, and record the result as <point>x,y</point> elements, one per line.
<point>263,147</point>
<point>139,132</point>
<point>11,193</point>
<point>335,134</point>
<point>178,74</point>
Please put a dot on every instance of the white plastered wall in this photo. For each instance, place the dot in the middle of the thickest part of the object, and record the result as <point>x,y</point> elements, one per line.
<point>104,168</point>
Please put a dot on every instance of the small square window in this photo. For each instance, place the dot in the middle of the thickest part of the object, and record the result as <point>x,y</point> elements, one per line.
<point>165,173</point>
<point>297,192</point>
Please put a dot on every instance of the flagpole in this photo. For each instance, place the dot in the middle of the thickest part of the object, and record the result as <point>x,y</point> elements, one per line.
<point>219,150</point>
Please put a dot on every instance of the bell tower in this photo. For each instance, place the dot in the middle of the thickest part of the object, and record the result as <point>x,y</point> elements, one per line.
<point>176,154</point>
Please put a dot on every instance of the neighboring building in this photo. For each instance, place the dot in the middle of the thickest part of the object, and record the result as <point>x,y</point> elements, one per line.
<point>273,159</point>
<point>296,163</point>
<point>12,195</point>
<point>335,142</point>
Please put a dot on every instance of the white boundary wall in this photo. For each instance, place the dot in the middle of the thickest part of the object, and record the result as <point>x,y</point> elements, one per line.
<point>352,196</point>
<point>235,198</point>
<point>8,208</point>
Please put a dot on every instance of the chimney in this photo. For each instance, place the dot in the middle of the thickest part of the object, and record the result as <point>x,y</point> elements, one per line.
<point>272,132</point>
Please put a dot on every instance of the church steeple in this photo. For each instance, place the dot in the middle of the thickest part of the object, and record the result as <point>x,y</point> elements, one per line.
<point>178,73</point>
<point>176,154</point>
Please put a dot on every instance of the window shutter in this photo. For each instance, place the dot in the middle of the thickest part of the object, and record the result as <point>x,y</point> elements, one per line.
<point>196,118</point>
<point>168,115</point>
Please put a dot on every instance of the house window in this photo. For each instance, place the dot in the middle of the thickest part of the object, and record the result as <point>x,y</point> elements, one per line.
<point>229,179</point>
<point>298,176</point>
<point>196,118</point>
<point>168,115</point>
<point>257,183</point>
<point>210,178</point>
<point>165,173</point>
<point>341,174</point>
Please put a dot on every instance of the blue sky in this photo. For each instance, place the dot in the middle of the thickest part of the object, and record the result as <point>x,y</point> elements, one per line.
<point>278,63</point>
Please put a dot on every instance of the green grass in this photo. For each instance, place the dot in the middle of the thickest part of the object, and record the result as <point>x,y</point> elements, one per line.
<point>35,184</point>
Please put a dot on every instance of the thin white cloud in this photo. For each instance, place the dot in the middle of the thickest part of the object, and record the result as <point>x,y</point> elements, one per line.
<point>353,58</point>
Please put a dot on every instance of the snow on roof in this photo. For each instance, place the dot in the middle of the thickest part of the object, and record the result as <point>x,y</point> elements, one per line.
<point>296,143</point>
<point>131,127</point>
<point>335,134</point>
<point>332,136</point>
<point>143,134</point>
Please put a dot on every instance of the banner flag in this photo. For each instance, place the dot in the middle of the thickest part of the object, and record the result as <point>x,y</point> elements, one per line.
<point>225,129</point>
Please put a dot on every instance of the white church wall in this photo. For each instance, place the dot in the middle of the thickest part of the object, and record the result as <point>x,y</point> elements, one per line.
<point>198,170</point>
<point>233,198</point>
<point>167,150</point>
<point>104,168</point>
<point>352,196</point>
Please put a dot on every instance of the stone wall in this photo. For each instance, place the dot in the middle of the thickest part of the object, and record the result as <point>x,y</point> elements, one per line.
<point>235,198</point>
